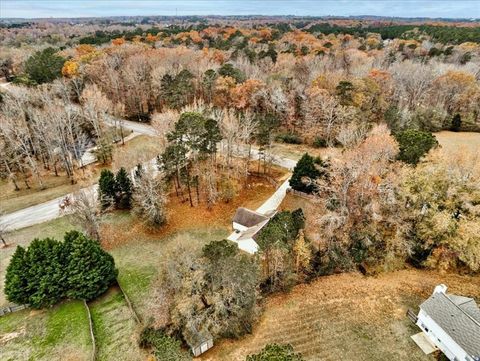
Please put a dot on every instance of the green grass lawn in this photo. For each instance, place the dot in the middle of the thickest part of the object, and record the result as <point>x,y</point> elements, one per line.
<point>59,333</point>
<point>115,329</point>
<point>141,262</point>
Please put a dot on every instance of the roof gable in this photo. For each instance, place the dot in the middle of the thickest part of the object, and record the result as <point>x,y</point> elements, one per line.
<point>248,218</point>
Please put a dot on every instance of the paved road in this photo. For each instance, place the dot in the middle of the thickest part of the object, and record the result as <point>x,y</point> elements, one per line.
<point>50,210</point>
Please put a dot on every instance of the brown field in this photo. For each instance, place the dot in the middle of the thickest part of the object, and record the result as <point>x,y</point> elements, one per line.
<point>452,141</point>
<point>346,317</point>
<point>295,151</point>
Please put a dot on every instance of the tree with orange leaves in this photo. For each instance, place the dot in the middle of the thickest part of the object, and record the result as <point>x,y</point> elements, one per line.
<point>118,41</point>
<point>70,69</point>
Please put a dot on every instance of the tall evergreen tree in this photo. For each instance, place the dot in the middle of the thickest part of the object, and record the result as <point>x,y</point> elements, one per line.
<point>124,189</point>
<point>45,274</point>
<point>16,281</point>
<point>107,188</point>
<point>456,122</point>
<point>304,174</point>
<point>414,144</point>
<point>44,66</point>
<point>89,269</point>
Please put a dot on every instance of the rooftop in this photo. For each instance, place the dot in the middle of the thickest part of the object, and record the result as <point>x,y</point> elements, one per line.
<point>459,317</point>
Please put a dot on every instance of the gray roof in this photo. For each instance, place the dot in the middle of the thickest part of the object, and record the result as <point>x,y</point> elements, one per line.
<point>248,218</point>
<point>252,231</point>
<point>459,317</point>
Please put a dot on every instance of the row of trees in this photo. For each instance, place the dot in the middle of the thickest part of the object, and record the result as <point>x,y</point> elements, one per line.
<point>44,132</point>
<point>49,271</point>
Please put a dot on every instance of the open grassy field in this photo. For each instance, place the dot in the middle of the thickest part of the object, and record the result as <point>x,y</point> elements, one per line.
<point>453,141</point>
<point>138,149</point>
<point>346,317</point>
<point>59,333</point>
<point>115,329</point>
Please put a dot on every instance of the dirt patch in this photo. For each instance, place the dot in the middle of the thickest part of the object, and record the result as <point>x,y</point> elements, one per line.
<point>12,335</point>
<point>183,217</point>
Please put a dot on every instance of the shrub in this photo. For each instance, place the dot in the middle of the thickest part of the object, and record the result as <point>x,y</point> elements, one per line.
<point>274,352</point>
<point>289,138</point>
<point>414,144</point>
<point>165,347</point>
<point>49,270</point>
<point>304,174</point>
<point>319,142</point>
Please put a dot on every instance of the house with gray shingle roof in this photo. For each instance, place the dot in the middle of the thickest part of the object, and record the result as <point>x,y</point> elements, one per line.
<point>451,324</point>
<point>247,225</point>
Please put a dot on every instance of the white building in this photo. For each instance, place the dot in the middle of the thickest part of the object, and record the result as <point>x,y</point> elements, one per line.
<point>451,324</point>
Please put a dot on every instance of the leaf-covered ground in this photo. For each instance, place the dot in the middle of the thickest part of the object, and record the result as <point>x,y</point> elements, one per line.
<point>347,317</point>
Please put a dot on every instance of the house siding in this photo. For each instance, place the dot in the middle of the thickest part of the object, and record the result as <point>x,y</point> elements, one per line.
<point>440,338</point>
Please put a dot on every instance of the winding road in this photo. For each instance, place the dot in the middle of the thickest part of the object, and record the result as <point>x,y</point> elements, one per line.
<point>50,210</point>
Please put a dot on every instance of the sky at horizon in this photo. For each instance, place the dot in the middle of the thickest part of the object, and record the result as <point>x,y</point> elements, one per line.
<point>92,8</point>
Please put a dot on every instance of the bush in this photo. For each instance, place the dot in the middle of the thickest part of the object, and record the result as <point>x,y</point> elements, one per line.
<point>165,347</point>
<point>49,270</point>
<point>304,174</point>
<point>319,142</point>
<point>274,352</point>
<point>414,144</point>
<point>288,138</point>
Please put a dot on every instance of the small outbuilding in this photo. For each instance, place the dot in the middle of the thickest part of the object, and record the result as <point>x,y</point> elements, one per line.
<point>199,341</point>
<point>451,324</point>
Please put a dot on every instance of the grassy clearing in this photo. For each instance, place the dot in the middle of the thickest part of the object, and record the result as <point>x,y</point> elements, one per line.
<point>346,316</point>
<point>453,141</point>
<point>59,333</point>
<point>140,262</point>
<point>114,328</point>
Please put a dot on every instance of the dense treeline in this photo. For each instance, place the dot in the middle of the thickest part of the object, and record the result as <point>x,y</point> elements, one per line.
<point>49,271</point>
<point>441,34</point>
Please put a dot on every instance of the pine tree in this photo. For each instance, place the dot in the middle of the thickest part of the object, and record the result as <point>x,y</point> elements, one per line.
<point>304,174</point>
<point>107,188</point>
<point>45,274</point>
<point>89,269</point>
<point>15,280</point>
<point>123,197</point>
<point>456,122</point>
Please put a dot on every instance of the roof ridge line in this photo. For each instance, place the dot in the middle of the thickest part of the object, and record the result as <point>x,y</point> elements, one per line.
<point>461,309</point>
